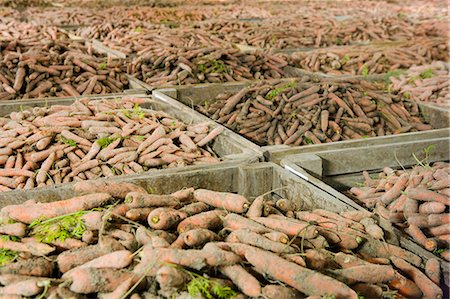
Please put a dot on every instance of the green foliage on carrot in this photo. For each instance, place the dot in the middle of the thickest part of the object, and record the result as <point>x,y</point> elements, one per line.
<point>59,228</point>
<point>7,256</point>
<point>274,92</point>
<point>209,289</point>
<point>68,141</point>
<point>428,73</point>
<point>105,141</point>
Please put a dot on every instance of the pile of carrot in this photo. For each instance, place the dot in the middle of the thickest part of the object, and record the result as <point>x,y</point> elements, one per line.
<point>371,59</point>
<point>90,139</point>
<point>298,113</point>
<point>201,243</point>
<point>425,83</point>
<point>416,200</point>
<point>180,66</point>
<point>54,68</point>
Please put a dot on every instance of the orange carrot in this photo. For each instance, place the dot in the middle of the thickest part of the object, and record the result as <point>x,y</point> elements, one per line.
<point>115,189</point>
<point>256,207</point>
<point>248,284</point>
<point>428,195</point>
<point>234,222</point>
<point>396,190</point>
<point>26,288</point>
<point>91,280</point>
<point>35,248</point>
<point>72,258</point>
<point>210,220</point>
<point>171,277</point>
<point>40,267</point>
<point>290,227</point>
<point>369,273</point>
<point>381,249</point>
<point>368,290</point>
<point>273,291</point>
<point>199,236</point>
<point>142,200</point>
<point>29,213</point>
<point>405,286</point>
<point>431,207</point>
<point>254,239</point>
<point>165,218</point>
<point>14,229</point>
<point>305,280</point>
<point>419,236</point>
<point>428,287</point>
<point>223,200</point>
<point>433,270</point>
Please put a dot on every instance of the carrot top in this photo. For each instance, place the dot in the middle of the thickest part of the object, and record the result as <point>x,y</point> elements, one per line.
<point>59,228</point>
<point>7,255</point>
<point>200,285</point>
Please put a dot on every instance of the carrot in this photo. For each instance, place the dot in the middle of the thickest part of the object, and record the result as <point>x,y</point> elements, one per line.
<point>121,289</point>
<point>165,218</point>
<point>428,195</point>
<point>30,213</point>
<point>68,243</point>
<point>443,229</point>
<point>16,172</point>
<point>40,267</point>
<point>198,237</point>
<point>396,190</point>
<point>14,229</point>
<point>273,291</point>
<point>246,282</point>
<point>228,201</point>
<point>445,255</point>
<point>170,277</point>
<point>428,288</point>
<point>144,236</point>
<point>419,236</point>
<point>433,270</point>
<point>379,249</point>
<point>318,259</point>
<point>233,101</point>
<point>277,237</point>
<point>138,214</point>
<point>209,220</point>
<point>142,200</point>
<point>372,228</point>
<point>156,257</point>
<point>26,288</point>
<point>194,208</point>
<point>254,239</point>
<point>348,260</point>
<point>45,168</point>
<point>431,207</point>
<point>405,286</point>
<point>234,222</point>
<point>256,207</point>
<point>368,290</point>
<point>92,280</point>
<point>290,227</point>
<point>211,135</point>
<point>355,215</point>
<point>72,258</point>
<point>306,281</point>
<point>285,205</point>
<point>216,256</point>
<point>115,189</point>
<point>35,248</point>
<point>438,219</point>
<point>369,273</point>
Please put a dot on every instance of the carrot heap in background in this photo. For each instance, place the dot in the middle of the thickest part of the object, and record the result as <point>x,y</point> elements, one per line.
<point>39,67</point>
<point>416,200</point>
<point>301,113</point>
<point>117,240</point>
<point>91,139</point>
